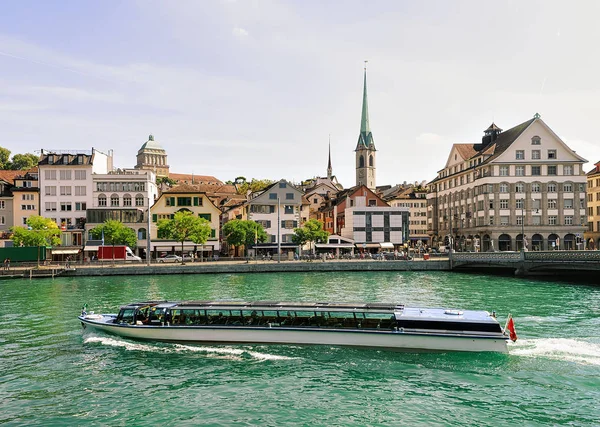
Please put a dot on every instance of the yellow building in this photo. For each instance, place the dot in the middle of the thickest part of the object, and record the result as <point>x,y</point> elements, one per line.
<point>592,235</point>
<point>188,198</point>
<point>26,196</point>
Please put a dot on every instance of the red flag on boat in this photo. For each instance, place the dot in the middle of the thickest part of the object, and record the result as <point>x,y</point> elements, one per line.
<point>510,326</point>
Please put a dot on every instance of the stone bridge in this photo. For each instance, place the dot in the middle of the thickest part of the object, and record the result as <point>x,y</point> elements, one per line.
<point>530,263</point>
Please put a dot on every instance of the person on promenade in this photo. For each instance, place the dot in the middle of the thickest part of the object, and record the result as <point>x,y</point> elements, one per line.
<point>8,264</point>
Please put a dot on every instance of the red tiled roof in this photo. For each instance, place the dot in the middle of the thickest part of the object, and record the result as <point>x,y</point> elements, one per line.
<point>9,175</point>
<point>197,179</point>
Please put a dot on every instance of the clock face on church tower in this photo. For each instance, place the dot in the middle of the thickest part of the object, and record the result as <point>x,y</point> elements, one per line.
<point>361,173</point>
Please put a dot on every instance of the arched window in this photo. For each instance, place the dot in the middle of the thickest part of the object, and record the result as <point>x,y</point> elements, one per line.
<point>139,200</point>
<point>114,200</point>
<point>141,234</point>
<point>371,160</point>
<point>102,200</point>
<point>127,200</point>
<point>361,162</point>
<point>536,140</point>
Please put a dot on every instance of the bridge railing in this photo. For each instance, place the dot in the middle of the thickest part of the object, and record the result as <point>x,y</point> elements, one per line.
<point>585,256</point>
<point>563,256</point>
<point>486,256</point>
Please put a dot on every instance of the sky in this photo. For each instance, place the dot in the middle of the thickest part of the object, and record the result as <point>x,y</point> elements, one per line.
<point>258,88</point>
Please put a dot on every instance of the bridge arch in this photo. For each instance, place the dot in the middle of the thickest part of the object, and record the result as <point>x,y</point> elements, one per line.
<point>537,242</point>
<point>504,242</point>
<point>569,242</point>
<point>519,242</point>
<point>486,243</point>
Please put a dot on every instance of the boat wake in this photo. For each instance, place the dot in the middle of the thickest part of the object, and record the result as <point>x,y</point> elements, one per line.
<point>559,348</point>
<point>215,352</point>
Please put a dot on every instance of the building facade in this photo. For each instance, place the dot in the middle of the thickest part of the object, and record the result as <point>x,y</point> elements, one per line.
<point>521,188</point>
<point>123,195</point>
<point>414,198</point>
<point>26,196</point>
<point>66,184</point>
<point>592,234</point>
<point>185,198</point>
<point>277,209</point>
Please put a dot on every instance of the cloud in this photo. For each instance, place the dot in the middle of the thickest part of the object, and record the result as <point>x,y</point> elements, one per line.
<point>239,32</point>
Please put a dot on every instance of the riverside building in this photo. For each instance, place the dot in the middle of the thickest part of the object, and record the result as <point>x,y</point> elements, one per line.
<point>65,181</point>
<point>520,188</point>
<point>123,195</point>
<point>592,235</point>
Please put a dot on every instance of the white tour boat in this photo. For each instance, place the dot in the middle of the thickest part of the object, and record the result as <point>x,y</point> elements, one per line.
<point>375,325</point>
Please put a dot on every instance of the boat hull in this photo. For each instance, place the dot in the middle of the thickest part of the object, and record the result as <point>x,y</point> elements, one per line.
<point>397,340</point>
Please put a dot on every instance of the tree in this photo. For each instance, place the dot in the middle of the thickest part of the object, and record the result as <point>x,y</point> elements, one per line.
<point>24,161</point>
<point>165,180</point>
<point>311,231</point>
<point>245,233</point>
<point>185,226</point>
<point>40,231</point>
<point>114,232</point>
<point>255,185</point>
<point>4,158</point>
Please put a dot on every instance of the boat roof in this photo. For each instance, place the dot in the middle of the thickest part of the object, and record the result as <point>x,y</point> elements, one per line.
<point>271,305</point>
<point>400,311</point>
<point>470,316</point>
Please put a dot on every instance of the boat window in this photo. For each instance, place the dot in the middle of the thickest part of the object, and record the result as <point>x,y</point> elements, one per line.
<point>157,316</point>
<point>218,317</point>
<point>126,316</point>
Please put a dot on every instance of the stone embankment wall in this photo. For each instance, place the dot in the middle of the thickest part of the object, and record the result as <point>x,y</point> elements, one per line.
<point>260,267</point>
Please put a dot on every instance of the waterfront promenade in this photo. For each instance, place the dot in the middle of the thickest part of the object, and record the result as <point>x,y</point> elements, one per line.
<point>583,263</point>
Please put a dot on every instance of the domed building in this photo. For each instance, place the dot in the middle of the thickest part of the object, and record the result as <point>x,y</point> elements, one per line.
<point>151,156</point>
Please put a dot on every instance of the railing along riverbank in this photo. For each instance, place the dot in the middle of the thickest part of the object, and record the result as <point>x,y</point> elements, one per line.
<point>227,267</point>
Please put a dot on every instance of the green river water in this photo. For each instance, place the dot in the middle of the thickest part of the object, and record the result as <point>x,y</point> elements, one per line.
<point>54,374</point>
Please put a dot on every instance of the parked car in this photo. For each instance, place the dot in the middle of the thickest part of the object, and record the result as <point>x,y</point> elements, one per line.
<point>170,258</point>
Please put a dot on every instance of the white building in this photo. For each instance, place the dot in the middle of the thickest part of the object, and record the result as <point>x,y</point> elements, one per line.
<point>65,181</point>
<point>375,226</point>
<point>123,195</point>
<point>279,203</point>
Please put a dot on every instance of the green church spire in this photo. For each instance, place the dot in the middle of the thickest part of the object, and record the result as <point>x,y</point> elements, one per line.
<point>364,120</point>
<point>365,139</point>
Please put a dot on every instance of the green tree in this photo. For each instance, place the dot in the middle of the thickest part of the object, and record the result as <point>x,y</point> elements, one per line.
<point>255,185</point>
<point>166,180</point>
<point>245,233</point>
<point>4,158</point>
<point>185,226</point>
<point>40,231</point>
<point>311,232</point>
<point>24,161</point>
<point>115,233</point>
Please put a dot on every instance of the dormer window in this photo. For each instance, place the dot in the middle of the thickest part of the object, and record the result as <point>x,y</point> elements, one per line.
<point>536,140</point>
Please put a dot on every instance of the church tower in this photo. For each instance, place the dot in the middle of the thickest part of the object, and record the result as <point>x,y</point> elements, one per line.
<point>365,148</point>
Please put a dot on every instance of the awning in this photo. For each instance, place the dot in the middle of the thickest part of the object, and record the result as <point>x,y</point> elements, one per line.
<point>90,248</point>
<point>368,245</point>
<point>65,251</point>
<point>387,245</point>
<point>334,245</point>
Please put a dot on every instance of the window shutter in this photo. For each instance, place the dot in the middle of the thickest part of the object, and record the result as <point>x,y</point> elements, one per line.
<point>154,217</point>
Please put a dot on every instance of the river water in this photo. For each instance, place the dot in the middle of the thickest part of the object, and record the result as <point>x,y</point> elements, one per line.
<point>52,373</point>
